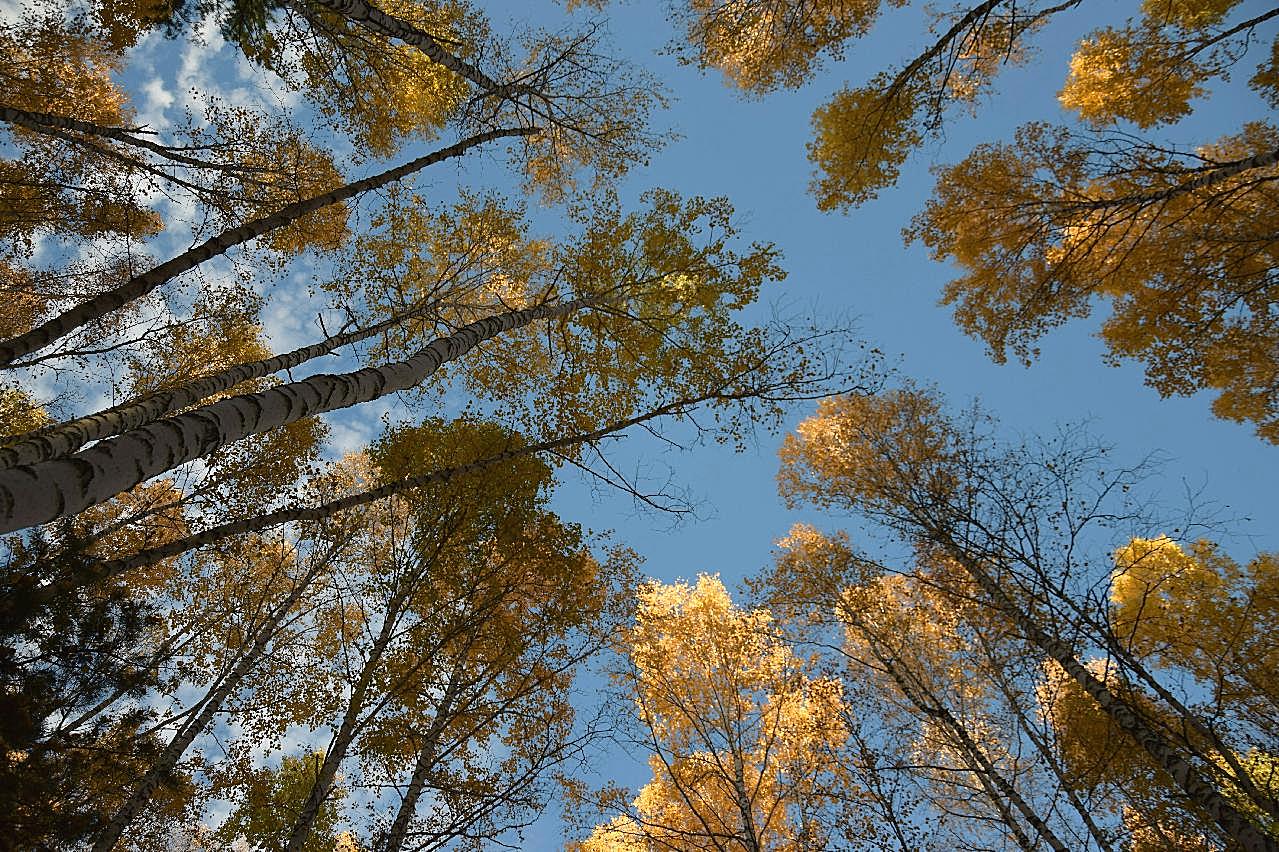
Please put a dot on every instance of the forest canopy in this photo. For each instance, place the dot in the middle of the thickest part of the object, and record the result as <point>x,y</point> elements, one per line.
<point>299,363</point>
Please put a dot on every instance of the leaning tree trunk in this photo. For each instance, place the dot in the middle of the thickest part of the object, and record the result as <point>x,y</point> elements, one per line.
<point>998,789</point>
<point>427,755</point>
<point>1046,752</point>
<point>140,285</point>
<point>375,20</point>
<point>114,567</point>
<point>1197,789</point>
<point>36,494</point>
<point>65,438</point>
<point>163,766</point>
<point>347,728</point>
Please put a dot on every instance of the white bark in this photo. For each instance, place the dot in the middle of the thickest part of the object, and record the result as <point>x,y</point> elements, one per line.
<point>36,494</point>
<point>1203,793</point>
<point>140,285</point>
<point>163,766</point>
<point>65,438</point>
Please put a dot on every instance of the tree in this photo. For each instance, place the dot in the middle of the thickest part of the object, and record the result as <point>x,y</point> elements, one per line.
<point>953,695</point>
<point>1174,237</point>
<point>194,575</point>
<point>985,513</point>
<point>741,735</point>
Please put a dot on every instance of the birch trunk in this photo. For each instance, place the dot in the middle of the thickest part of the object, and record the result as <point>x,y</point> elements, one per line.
<point>1045,750</point>
<point>140,285</point>
<point>347,729</point>
<point>150,556</point>
<point>998,789</point>
<point>425,762</point>
<point>65,438</point>
<point>375,20</point>
<point>36,494</point>
<point>61,127</point>
<point>1201,792</point>
<point>212,703</point>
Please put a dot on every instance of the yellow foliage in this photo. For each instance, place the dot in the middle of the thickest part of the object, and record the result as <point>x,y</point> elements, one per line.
<point>762,44</point>
<point>1093,748</point>
<point>855,449</point>
<point>19,412</point>
<point>218,337</point>
<point>861,138</point>
<point>49,66</point>
<point>1266,79</point>
<point>282,171</point>
<point>1188,14</point>
<point>1043,226</point>
<point>1147,835</point>
<point>1204,613</point>
<point>1132,74</point>
<point>386,92</point>
<point>742,731</point>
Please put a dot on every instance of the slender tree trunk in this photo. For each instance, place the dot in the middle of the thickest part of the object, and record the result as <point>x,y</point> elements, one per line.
<point>140,285</point>
<point>1004,786</point>
<point>1000,791</point>
<point>61,127</point>
<point>1197,789</point>
<point>1046,751</point>
<point>163,766</point>
<point>150,556</point>
<point>745,807</point>
<point>1208,177</point>
<point>347,729</point>
<point>36,494</point>
<point>426,759</point>
<point>375,20</point>
<point>65,438</point>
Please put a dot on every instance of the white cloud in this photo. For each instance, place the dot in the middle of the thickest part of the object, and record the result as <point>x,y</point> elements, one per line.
<point>157,100</point>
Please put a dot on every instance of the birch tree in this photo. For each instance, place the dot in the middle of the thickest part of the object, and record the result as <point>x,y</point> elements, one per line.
<point>974,506</point>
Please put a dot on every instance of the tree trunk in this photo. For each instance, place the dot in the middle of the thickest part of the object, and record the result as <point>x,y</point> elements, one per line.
<point>150,556</point>
<point>172,753</point>
<point>65,438</point>
<point>375,20</point>
<point>1046,751</point>
<point>140,285</point>
<point>347,729</point>
<point>1201,792</point>
<point>61,127</point>
<point>1000,791</point>
<point>425,762</point>
<point>36,494</point>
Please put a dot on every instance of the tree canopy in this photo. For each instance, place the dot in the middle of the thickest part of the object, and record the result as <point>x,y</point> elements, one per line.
<point>298,363</point>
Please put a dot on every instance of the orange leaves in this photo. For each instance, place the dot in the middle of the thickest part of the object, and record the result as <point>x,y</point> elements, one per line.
<point>861,138</point>
<point>1131,74</point>
<point>49,66</point>
<point>894,448</point>
<point>1175,244</point>
<point>765,44</point>
<point>743,734</point>
<point>381,92</point>
<point>1201,612</point>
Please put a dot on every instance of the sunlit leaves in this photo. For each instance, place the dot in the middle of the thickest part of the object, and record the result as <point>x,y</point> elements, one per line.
<point>1044,226</point>
<point>742,732</point>
<point>760,45</point>
<point>1131,74</point>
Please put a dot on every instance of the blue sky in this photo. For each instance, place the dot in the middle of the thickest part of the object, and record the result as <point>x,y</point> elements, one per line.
<point>753,152</point>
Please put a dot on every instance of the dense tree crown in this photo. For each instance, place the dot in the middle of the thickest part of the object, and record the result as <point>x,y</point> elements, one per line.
<point>316,595</point>
<point>1177,236</point>
<point>743,736</point>
<point>219,629</point>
